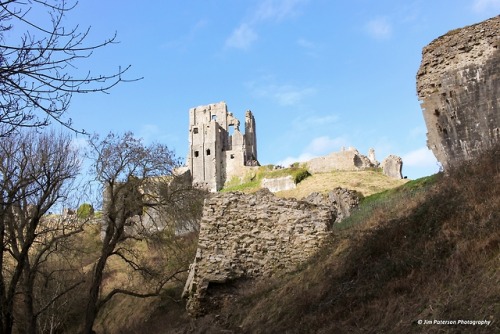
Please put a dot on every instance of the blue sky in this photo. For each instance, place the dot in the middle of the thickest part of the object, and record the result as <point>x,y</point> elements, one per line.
<point>317,74</point>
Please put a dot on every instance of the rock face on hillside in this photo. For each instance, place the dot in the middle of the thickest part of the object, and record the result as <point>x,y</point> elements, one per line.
<point>252,235</point>
<point>459,87</point>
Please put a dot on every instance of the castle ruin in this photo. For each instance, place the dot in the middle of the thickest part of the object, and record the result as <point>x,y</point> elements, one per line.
<point>217,148</point>
<point>458,84</point>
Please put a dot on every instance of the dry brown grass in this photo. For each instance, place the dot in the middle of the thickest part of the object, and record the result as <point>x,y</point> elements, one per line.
<point>428,251</point>
<point>365,182</point>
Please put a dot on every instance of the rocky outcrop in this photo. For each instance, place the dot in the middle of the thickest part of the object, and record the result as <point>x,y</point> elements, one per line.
<point>252,235</point>
<point>459,87</point>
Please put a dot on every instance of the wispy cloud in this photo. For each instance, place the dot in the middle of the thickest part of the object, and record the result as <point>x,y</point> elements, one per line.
<point>379,28</point>
<point>80,143</point>
<point>242,37</point>
<point>324,145</point>
<point>311,122</point>
<point>184,41</point>
<point>421,157</point>
<point>245,34</point>
<point>310,48</point>
<point>484,5</point>
<point>284,94</point>
<point>277,10</point>
<point>319,146</point>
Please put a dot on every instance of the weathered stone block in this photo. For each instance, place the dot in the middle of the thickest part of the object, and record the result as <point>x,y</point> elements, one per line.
<point>459,85</point>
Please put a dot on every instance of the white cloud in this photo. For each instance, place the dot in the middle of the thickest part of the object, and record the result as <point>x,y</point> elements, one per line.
<point>290,95</point>
<point>80,143</point>
<point>319,120</point>
<point>290,160</point>
<point>277,10</point>
<point>483,5</point>
<point>324,145</point>
<point>268,10</point>
<point>319,146</point>
<point>421,157</point>
<point>310,48</point>
<point>183,42</point>
<point>379,28</point>
<point>417,132</point>
<point>242,37</point>
<point>285,95</point>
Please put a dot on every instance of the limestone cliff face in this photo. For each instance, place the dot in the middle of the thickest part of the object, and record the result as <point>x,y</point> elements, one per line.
<point>458,85</point>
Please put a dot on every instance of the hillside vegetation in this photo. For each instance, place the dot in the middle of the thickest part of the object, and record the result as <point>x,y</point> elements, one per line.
<point>426,250</point>
<point>365,182</point>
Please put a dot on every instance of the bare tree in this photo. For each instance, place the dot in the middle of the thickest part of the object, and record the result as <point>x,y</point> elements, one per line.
<point>38,74</point>
<point>130,173</point>
<point>36,171</point>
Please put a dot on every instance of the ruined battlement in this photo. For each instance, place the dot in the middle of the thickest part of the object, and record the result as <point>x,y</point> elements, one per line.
<point>217,148</point>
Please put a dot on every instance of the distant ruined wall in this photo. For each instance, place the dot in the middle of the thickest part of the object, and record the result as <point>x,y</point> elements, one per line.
<point>252,235</point>
<point>392,166</point>
<point>459,87</point>
<point>279,183</point>
<point>349,159</point>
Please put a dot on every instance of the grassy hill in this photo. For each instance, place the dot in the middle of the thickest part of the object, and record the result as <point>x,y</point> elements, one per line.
<point>425,250</point>
<point>428,250</point>
<point>366,182</point>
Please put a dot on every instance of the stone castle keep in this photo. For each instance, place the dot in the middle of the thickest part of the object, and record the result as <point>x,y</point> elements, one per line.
<point>217,148</point>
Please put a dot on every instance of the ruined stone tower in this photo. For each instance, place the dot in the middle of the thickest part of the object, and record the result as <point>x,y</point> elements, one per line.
<point>217,148</point>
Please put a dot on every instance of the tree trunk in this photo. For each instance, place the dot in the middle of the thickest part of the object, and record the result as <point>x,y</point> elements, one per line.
<point>92,309</point>
<point>28,282</point>
<point>109,243</point>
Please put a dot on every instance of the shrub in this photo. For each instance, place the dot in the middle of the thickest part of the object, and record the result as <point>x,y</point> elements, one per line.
<point>300,174</point>
<point>85,211</point>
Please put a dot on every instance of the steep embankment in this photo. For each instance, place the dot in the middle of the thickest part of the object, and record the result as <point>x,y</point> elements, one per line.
<point>429,250</point>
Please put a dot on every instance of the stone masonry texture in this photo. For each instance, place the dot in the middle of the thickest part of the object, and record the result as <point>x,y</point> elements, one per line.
<point>252,235</point>
<point>459,88</point>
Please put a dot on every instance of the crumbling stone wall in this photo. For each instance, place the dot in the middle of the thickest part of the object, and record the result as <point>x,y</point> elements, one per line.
<point>279,183</point>
<point>252,235</point>
<point>349,159</point>
<point>392,166</point>
<point>458,84</point>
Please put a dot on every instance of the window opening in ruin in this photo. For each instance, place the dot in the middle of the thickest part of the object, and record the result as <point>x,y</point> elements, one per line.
<point>196,153</point>
<point>231,129</point>
<point>208,152</point>
<point>214,117</point>
<point>232,156</point>
<point>195,130</point>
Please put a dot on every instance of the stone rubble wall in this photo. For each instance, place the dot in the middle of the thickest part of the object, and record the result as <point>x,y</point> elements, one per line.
<point>349,159</point>
<point>252,235</point>
<point>458,84</point>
